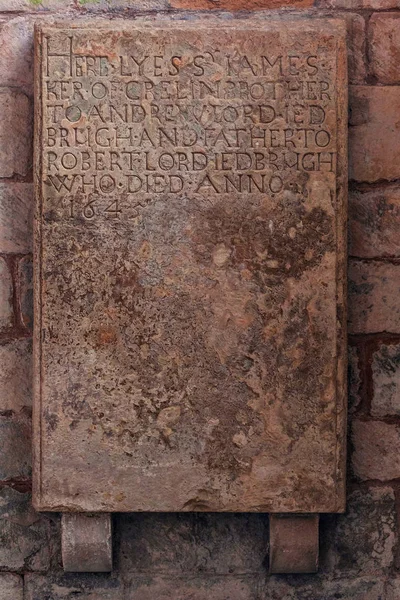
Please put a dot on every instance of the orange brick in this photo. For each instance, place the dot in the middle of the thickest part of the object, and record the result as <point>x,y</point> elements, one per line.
<point>374,222</point>
<point>376,450</point>
<point>15,133</point>
<point>239,4</point>
<point>374,297</point>
<point>384,47</point>
<point>358,4</point>
<point>374,133</point>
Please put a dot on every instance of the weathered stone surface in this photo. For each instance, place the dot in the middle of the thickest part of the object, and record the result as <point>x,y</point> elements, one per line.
<point>374,297</point>
<point>16,214</point>
<point>361,542</point>
<point>384,47</point>
<point>178,544</point>
<point>191,300</point>
<point>25,279</point>
<point>376,450</point>
<point>29,541</point>
<point>386,381</point>
<point>15,133</point>
<point>15,442</point>
<point>374,222</point>
<point>11,587</point>
<point>16,375</point>
<point>354,378</point>
<point>6,293</point>
<point>374,151</point>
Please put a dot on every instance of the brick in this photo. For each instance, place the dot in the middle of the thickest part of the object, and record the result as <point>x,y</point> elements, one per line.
<point>374,222</point>
<point>116,5</point>
<point>34,5</point>
<point>386,381</point>
<point>239,4</point>
<point>69,585</point>
<point>356,46</point>
<point>104,587</point>
<point>384,47</point>
<point>15,375</point>
<point>374,297</point>
<point>359,4</point>
<point>162,587</point>
<point>354,379</point>
<point>16,214</point>
<point>16,56</point>
<point>6,294</point>
<point>15,443</point>
<point>393,589</point>
<point>374,135</point>
<point>376,450</point>
<point>362,541</point>
<point>83,586</point>
<point>197,543</point>
<point>15,133</point>
<point>11,587</point>
<point>25,278</point>
<point>29,541</point>
<point>205,588</point>
<point>316,588</point>
<point>358,589</point>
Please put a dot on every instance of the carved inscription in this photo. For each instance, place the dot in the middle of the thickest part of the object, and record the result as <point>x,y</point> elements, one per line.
<point>190,249</point>
<point>125,128</point>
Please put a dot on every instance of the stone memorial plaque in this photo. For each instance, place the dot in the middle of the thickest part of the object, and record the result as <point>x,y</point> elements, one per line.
<point>190,266</point>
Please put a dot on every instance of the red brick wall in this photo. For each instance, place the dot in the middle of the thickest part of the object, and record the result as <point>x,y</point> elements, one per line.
<point>221,557</point>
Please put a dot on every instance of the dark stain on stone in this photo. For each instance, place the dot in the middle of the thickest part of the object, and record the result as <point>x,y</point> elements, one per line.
<point>270,245</point>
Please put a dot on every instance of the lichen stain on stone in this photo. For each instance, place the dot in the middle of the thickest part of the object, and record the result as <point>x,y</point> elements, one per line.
<point>244,239</point>
<point>105,335</point>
